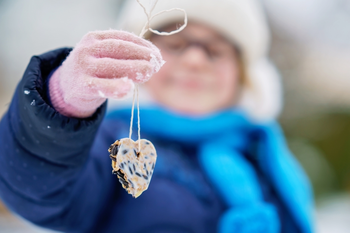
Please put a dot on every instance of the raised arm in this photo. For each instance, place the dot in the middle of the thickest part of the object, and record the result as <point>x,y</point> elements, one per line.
<point>48,172</point>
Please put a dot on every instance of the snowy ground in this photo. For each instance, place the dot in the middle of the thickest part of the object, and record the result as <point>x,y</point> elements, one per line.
<point>332,216</point>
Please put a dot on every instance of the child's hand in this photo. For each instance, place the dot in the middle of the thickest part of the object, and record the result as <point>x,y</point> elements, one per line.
<point>104,64</point>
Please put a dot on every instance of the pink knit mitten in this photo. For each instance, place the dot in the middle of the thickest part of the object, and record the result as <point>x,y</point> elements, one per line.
<point>104,64</point>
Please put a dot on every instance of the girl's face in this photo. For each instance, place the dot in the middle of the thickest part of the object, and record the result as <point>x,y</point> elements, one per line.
<point>201,73</point>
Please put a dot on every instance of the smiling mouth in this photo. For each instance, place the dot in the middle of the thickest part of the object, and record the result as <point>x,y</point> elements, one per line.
<point>189,83</point>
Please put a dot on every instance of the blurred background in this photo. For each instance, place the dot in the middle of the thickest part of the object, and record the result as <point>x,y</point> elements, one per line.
<point>310,46</point>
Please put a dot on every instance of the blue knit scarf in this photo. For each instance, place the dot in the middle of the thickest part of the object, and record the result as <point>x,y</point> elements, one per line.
<point>222,139</point>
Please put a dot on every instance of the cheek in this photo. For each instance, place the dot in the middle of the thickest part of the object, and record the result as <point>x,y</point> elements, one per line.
<point>159,81</point>
<point>227,80</point>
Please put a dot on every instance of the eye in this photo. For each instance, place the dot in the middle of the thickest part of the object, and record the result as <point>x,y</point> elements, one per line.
<point>216,52</point>
<point>219,50</point>
<point>175,45</point>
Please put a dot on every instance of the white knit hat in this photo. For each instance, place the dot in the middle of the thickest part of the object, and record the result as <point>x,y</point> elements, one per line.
<point>240,21</point>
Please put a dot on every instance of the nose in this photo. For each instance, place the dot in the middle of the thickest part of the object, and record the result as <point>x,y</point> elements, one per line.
<point>195,56</point>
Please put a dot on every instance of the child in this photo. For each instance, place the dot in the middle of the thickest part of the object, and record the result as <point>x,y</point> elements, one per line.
<point>223,165</point>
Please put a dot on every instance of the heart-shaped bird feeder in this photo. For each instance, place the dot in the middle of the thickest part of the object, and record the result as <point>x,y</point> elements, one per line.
<point>133,167</point>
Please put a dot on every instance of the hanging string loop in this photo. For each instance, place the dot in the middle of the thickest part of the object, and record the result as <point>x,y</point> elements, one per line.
<point>149,15</point>
<point>146,28</point>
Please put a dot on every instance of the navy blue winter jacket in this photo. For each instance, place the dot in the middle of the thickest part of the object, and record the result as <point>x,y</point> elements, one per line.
<point>55,171</point>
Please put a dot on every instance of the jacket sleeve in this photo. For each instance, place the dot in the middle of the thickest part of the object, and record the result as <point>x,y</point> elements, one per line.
<point>46,175</point>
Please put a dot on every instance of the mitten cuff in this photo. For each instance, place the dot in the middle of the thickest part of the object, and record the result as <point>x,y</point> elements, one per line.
<point>78,109</point>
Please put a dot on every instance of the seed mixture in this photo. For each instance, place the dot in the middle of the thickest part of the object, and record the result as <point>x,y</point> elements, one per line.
<point>134,168</point>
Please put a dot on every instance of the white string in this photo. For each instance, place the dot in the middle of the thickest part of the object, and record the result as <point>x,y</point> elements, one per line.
<point>138,116</point>
<point>172,32</point>
<point>132,114</point>
<point>149,15</point>
<point>146,28</point>
<point>136,94</point>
